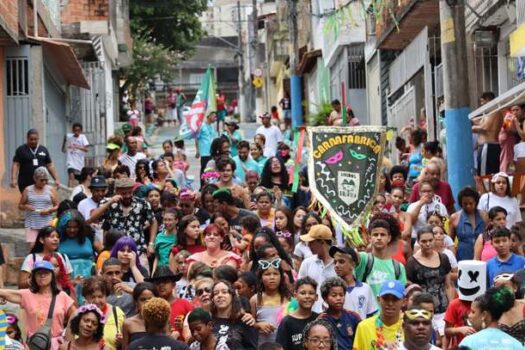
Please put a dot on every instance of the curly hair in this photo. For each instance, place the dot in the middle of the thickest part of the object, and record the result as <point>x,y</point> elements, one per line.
<point>156,313</point>
<point>324,323</point>
<point>92,284</point>
<point>330,283</point>
<point>216,146</point>
<point>75,324</point>
<point>266,175</point>
<point>496,301</point>
<point>387,222</point>
<point>305,281</point>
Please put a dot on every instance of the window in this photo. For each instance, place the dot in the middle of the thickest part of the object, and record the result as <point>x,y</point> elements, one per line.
<point>356,67</point>
<point>17,77</point>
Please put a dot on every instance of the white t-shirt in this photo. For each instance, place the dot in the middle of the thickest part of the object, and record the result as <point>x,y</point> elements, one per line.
<point>315,268</point>
<point>75,157</point>
<point>432,347</point>
<point>273,137</point>
<point>85,207</point>
<point>361,299</point>
<point>434,206</point>
<point>302,251</point>
<point>131,161</point>
<point>488,201</point>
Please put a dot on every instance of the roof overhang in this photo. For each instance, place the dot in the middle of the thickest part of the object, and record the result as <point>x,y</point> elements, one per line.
<point>514,96</point>
<point>65,60</point>
<point>308,61</point>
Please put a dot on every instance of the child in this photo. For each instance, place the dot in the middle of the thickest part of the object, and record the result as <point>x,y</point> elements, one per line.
<point>179,265</point>
<point>166,239</point>
<point>283,227</point>
<point>272,294</point>
<point>180,162</point>
<point>201,327</point>
<point>359,296</point>
<point>345,322</point>
<point>13,331</point>
<point>483,248</point>
<point>290,331</point>
<point>110,238</point>
<point>505,261</point>
<point>455,322</point>
<point>517,239</point>
<point>188,236</point>
<point>246,285</point>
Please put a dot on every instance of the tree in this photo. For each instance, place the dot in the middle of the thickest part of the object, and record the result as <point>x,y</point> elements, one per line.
<point>173,23</point>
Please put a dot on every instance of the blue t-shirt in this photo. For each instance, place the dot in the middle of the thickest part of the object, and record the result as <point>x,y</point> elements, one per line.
<point>242,167</point>
<point>496,266</point>
<point>345,328</point>
<point>491,339</point>
<point>207,133</point>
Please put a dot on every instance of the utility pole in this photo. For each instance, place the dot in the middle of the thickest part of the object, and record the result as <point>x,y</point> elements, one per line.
<point>240,53</point>
<point>295,80</point>
<point>255,47</point>
<point>456,88</point>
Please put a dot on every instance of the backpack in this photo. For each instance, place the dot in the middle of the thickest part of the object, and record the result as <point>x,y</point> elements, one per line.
<point>370,265</point>
<point>41,340</point>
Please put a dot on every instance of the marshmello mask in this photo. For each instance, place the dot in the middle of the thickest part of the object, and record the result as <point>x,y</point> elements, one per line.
<point>472,279</point>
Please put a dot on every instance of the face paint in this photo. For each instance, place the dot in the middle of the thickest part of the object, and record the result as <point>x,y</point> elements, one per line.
<point>472,281</point>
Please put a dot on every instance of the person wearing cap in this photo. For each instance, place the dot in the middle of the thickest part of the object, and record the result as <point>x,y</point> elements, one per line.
<point>359,296</point>
<point>243,162</point>
<point>320,265</point>
<point>36,301</point>
<point>271,133</point>
<point>432,173</point>
<point>205,136</point>
<point>165,281</point>
<point>417,328</point>
<point>75,145</point>
<point>98,187</point>
<point>500,195</point>
<point>132,156</point>
<point>187,199</point>
<point>128,213</point>
<point>111,161</point>
<point>231,131</point>
<point>225,204</point>
<point>384,331</point>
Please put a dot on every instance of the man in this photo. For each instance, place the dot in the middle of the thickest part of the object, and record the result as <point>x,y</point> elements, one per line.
<point>187,199</point>
<point>180,100</point>
<point>320,265</point>
<point>383,331</point>
<point>98,188</point>
<point>417,328</point>
<point>132,156</point>
<point>488,128</point>
<point>76,146</point>
<point>378,266</point>
<point>286,106</point>
<point>432,173</point>
<point>335,118</point>
<point>221,109</point>
<point>27,158</point>
<point>205,136</point>
<point>243,161</point>
<point>156,313</point>
<point>120,291</point>
<point>165,280</point>
<point>225,204</point>
<point>271,133</point>
<point>130,214</point>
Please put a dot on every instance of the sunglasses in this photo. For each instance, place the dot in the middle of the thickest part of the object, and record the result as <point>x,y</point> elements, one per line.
<point>265,264</point>
<point>283,234</point>
<point>199,292</point>
<point>413,314</point>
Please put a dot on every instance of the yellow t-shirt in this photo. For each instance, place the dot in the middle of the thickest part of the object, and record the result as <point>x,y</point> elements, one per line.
<point>366,337</point>
<point>110,328</point>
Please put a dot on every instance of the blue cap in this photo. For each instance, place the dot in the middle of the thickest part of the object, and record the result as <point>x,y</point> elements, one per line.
<point>43,265</point>
<point>392,287</point>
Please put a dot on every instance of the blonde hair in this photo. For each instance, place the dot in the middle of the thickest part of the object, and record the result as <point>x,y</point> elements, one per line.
<point>156,312</point>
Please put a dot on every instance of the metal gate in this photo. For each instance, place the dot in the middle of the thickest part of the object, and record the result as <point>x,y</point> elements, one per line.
<point>17,106</point>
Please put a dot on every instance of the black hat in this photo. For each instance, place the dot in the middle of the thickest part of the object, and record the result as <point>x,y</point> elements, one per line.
<point>98,181</point>
<point>163,273</point>
<point>344,250</point>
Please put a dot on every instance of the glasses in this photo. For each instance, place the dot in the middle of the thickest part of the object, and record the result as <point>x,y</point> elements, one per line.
<point>283,234</point>
<point>413,314</point>
<point>318,341</point>
<point>199,292</point>
<point>265,264</point>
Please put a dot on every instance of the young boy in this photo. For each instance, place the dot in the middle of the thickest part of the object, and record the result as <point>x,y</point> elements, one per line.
<point>505,261</point>
<point>359,296</point>
<point>425,301</point>
<point>75,146</point>
<point>167,238</point>
<point>201,327</point>
<point>345,322</point>
<point>290,331</point>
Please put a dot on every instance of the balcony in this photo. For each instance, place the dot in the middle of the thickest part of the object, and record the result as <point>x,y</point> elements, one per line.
<point>411,17</point>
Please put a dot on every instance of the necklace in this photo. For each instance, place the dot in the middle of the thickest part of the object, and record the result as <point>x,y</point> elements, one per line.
<point>379,343</point>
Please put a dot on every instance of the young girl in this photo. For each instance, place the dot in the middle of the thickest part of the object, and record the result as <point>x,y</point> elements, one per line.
<point>110,238</point>
<point>297,221</point>
<point>483,249</point>
<point>179,265</point>
<point>264,211</point>
<point>166,238</point>
<point>301,250</point>
<point>283,226</point>
<point>13,330</point>
<point>63,281</point>
<point>272,294</point>
<point>398,199</point>
<point>246,285</point>
<point>125,250</point>
<point>188,236</point>
<point>516,238</point>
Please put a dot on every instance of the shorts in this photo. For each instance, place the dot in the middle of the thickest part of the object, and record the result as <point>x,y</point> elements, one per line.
<point>221,115</point>
<point>519,151</point>
<point>287,114</point>
<point>31,235</point>
<point>438,323</point>
<point>73,171</point>
<point>488,159</point>
<point>172,114</point>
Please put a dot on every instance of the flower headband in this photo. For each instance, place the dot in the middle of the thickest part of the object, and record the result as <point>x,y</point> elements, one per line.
<point>266,264</point>
<point>91,307</point>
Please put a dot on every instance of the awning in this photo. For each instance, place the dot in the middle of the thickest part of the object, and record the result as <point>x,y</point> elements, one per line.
<point>308,61</point>
<point>514,96</point>
<point>65,60</point>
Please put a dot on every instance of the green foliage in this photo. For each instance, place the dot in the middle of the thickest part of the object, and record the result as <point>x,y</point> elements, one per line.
<point>321,117</point>
<point>173,23</point>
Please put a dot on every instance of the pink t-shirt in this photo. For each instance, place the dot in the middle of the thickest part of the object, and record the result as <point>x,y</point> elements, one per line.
<point>36,308</point>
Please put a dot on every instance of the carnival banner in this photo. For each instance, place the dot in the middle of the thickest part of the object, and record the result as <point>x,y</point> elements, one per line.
<point>343,169</point>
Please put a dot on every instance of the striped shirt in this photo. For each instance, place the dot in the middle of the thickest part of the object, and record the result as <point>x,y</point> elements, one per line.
<point>39,201</point>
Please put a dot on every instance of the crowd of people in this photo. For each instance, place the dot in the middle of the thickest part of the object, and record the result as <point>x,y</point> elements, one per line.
<point>138,258</point>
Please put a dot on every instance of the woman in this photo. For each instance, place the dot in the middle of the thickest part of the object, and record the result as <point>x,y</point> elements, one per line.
<point>36,302</point>
<point>467,224</point>
<point>39,201</point>
<point>301,250</point>
<point>274,177</point>
<point>226,168</point>
<point>500,195</point>
<point>231,131</point>
<point>88,329</point>
<point>440,237</point>
<point>167,146</point>
<point>485,312</point>
<point>142,172</point>
<point>265,212</point>
<point>415,160</point>
<point>111,161</point>
<point>133,327</point>
<point>228,327</point>
<point>431,270</point>
<point>125,250</point>
<point>96,290</point>
<point>219,147</point>
<point>513,321</point>
<point>214,256</point>
<point>319,335</point>
<point>256,151</point>
<point>206,199</point>
<point>86,174</point>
